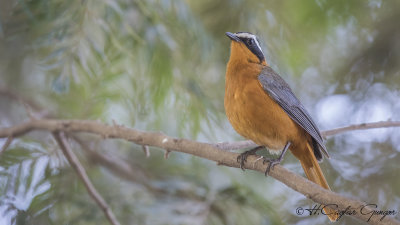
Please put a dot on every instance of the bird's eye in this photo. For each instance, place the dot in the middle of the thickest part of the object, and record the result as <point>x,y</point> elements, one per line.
<point>250,41</point>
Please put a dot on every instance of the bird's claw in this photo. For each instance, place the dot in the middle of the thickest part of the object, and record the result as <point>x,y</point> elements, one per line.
<point>242,158</point>
<point>271,164</point>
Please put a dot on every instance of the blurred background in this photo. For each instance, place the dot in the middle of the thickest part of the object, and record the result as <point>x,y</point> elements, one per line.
<point>159,65</point>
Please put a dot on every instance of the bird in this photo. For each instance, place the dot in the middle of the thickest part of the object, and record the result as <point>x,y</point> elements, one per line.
<point>262,107</point>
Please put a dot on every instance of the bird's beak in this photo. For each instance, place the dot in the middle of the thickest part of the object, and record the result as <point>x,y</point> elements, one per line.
<point>232,36</point>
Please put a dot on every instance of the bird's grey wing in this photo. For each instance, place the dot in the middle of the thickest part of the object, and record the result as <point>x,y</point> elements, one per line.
<point>280,91</point>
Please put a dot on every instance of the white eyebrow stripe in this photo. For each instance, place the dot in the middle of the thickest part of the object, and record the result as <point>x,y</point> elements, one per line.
<point>258,45</point>
<point>247,35</point>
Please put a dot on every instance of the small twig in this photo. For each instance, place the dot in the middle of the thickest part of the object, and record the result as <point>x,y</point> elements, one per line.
<point>362,126</point>
<point>73,160</point>
<point>29,111</point>
<point>146,150</point>
<point>5,146</point>
<point>255,161</point>
<point>166,154</point>
<point>115,124</point>
<point>230,146</point>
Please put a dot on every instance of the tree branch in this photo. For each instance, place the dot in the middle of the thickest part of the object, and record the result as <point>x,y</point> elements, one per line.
<point>202,150</point>
<point>6,144</point>
<point>80,170</point>
<point>362,126</point>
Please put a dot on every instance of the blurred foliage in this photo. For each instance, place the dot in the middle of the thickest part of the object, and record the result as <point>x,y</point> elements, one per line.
<point>159,65</point>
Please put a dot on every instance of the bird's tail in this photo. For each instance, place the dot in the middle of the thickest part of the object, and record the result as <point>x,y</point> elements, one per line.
<point>314,174</point>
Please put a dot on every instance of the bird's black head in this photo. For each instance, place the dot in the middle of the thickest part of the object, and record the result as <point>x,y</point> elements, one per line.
<point>251,42</point>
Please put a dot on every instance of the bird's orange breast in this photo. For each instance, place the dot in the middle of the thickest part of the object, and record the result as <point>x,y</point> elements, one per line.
<point>252,113</point>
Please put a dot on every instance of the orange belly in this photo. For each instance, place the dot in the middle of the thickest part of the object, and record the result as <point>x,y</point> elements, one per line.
<point>254,115</point>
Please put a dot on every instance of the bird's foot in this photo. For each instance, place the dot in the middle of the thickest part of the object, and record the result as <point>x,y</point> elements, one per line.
<point>242,158</point>
<point>271,164</point>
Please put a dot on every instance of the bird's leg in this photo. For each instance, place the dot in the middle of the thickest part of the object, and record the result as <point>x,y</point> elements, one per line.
<point>273,162</point>
<point>243,157</point>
